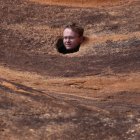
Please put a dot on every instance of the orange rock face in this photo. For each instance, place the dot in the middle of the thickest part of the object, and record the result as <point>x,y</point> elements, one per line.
<point>92,94</point>
<point>82,3</point>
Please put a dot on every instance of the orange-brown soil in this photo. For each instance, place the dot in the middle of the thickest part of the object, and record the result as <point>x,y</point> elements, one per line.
<point>93,94</point>
<point>82,3</point>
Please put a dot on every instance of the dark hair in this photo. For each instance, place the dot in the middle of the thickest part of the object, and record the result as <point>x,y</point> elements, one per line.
<point>79,30</point>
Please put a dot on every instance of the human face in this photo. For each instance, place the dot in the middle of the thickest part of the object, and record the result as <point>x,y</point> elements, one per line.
<point>71,39</point>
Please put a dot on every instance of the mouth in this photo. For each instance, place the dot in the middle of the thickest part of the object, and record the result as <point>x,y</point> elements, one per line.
<point>68,45</point>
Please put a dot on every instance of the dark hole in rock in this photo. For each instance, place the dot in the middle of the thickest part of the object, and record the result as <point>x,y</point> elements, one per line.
<point>61,48</point>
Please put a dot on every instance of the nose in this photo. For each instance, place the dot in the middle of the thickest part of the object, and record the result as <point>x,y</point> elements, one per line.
<point>67,39</point>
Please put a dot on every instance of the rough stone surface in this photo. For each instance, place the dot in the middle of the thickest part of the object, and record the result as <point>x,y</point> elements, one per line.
<point>93,94</point>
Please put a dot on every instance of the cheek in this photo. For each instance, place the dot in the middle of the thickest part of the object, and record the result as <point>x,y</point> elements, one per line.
<point>76,41</point>
<point>64,41</point>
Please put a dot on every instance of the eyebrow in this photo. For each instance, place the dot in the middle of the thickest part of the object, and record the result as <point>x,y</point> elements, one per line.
<point>71,36</point>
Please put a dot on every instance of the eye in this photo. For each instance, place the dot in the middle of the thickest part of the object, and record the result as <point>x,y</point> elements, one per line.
<point>69,37</point>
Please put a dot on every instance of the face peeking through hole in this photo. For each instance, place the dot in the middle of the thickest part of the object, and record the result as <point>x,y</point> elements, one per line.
<point>71,39</point>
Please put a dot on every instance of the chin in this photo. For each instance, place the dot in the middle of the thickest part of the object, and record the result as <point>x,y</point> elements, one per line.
<point>69,47</point>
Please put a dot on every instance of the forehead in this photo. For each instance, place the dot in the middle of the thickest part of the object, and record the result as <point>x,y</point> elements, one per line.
<point>69,32</point>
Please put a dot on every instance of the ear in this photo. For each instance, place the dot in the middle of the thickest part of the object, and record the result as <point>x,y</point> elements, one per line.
<point>81,39</point>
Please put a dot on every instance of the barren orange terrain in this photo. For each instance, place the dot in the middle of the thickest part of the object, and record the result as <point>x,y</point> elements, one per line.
<point>82,3</point>
<point>93,94</point>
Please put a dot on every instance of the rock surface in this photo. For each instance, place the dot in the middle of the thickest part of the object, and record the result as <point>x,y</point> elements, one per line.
<point>93,94</point>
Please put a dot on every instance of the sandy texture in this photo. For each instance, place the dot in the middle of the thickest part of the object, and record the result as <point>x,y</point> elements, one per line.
<point>93,94</point>
<point>82,3</point>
